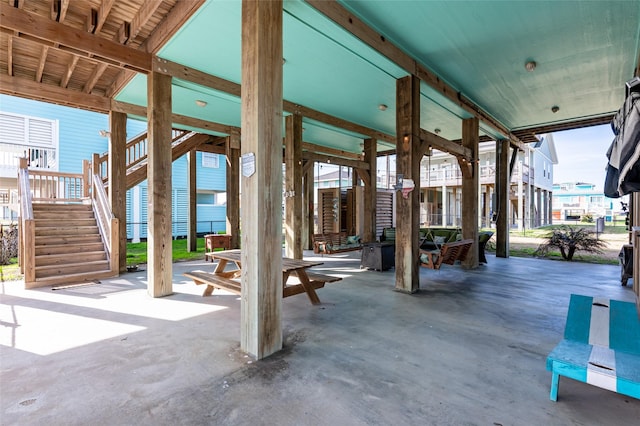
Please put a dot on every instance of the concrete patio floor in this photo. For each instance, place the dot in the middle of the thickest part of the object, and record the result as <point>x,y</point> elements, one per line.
<point>468,349</point>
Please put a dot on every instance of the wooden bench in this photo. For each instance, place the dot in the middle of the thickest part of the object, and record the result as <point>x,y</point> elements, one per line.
<point>601,346</point>
<point>448,254</point>
<point>335,242</point>
<point>214,281</point>
<point>227,282</point>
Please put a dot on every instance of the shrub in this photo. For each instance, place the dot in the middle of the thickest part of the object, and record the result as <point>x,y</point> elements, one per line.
<point>8,243</point>
<point>588,218</point>
<point>569,240</point>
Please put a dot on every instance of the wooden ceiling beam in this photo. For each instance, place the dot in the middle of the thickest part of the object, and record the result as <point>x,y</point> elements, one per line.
<point>31,89</point>
<point>43,60</point>
<point>103,14</point>
<point>95,76</point>
<point>306,146</point>
<point>145,13</point>
<point>54,32</point>
<point>445,145</point>
<point>352,24</point>
<point>321,158</point>
<point>59,9</point>
<point>10,54</point>
<point>193,75</point>
<point>67,75</point>
<point>182,120</point>
<point>177,16</point>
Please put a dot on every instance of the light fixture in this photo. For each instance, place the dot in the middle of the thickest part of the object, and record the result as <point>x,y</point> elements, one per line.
<point>104,133</point>
<point>201,103</point>
<point>555,109</point>
<point>437,130</point>
<point>530,65</point>
<point>382,107</point>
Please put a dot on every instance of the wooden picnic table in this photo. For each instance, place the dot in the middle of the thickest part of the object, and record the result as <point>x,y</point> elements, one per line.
<point>296,278</point>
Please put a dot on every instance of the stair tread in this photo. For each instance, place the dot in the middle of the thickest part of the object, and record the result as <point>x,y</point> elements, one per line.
<point>73,265</point>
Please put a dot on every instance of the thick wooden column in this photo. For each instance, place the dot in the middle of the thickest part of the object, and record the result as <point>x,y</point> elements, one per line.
<point>159,249</point>
<point>470,189</point>
<point>502,194</point>
<point>261,307</point>
<point>370,191</point>
<point>408,165</point>
<point>232,150</point>
<point>192,239</point>
<point>293,186</point>
<point>118,181</point>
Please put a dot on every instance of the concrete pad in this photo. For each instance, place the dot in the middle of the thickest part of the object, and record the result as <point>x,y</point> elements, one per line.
<point>469,348</point>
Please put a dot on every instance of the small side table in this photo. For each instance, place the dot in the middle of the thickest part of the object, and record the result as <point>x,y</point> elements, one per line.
<point>214,241</point>
<point>378,256</point>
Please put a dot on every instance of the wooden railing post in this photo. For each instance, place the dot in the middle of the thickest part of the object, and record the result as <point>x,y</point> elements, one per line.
<point>86,178</point>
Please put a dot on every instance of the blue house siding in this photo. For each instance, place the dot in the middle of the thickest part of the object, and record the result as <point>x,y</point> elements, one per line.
<point>79,139</point>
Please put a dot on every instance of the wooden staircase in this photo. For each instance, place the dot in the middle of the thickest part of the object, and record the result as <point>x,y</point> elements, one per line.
<point>68,245</point>
<point>136,154</point>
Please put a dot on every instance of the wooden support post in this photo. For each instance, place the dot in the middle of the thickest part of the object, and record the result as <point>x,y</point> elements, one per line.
<point>192,237</point>
<point>408,165</point>
<point>370,191</point>
<point>232,149</point>
<point>470,188</point>
<point>308,204</point>
<point>261,307</point>
<point>159,249</point>
<point>293,186</point>
<point>118,182</point>
<point>502,194</point>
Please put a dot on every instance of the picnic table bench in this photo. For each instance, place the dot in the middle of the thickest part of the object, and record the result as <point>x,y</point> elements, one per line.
<point>296,278</point>
<point>601,346</point>
<point>447,254</point>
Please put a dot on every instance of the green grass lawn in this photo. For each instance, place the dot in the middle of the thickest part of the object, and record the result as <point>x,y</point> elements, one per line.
<point>137,252</point>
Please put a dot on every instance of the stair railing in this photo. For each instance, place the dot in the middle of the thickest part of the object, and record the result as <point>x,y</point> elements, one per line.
<point>108,224</point>
<point>27,234</point>
<point>135,153</point>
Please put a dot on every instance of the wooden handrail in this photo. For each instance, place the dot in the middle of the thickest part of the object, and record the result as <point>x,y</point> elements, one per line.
<point>136,152</point>
<point>104,216</point>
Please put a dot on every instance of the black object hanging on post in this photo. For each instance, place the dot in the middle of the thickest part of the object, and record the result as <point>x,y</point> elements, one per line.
<point>623,170</point>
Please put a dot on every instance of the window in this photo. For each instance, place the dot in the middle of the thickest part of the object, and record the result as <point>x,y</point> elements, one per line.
<point>210,160</point>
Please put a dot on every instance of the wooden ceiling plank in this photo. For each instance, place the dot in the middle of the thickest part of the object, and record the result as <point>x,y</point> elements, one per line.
<point>43,28</point>
<point>10,55</point>
<point>43,60</point>
<point>379,43</point>
<point>177,16</point>
<point>25,88</point>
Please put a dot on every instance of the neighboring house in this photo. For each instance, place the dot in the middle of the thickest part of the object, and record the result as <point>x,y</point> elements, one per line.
<point>530,192</point>
<point>573,200</point>
<point>59,138</point>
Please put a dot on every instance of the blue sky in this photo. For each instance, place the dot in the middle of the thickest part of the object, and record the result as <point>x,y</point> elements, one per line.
<point>582,155</point>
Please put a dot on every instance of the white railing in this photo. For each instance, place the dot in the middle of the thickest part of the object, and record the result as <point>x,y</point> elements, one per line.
<point>27,232</point>
<point>37,158</point>
<point>107,222</point>
<point>135,153</point>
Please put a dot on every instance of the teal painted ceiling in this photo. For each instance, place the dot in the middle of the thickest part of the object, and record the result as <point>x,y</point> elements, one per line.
<point>584,51</point>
